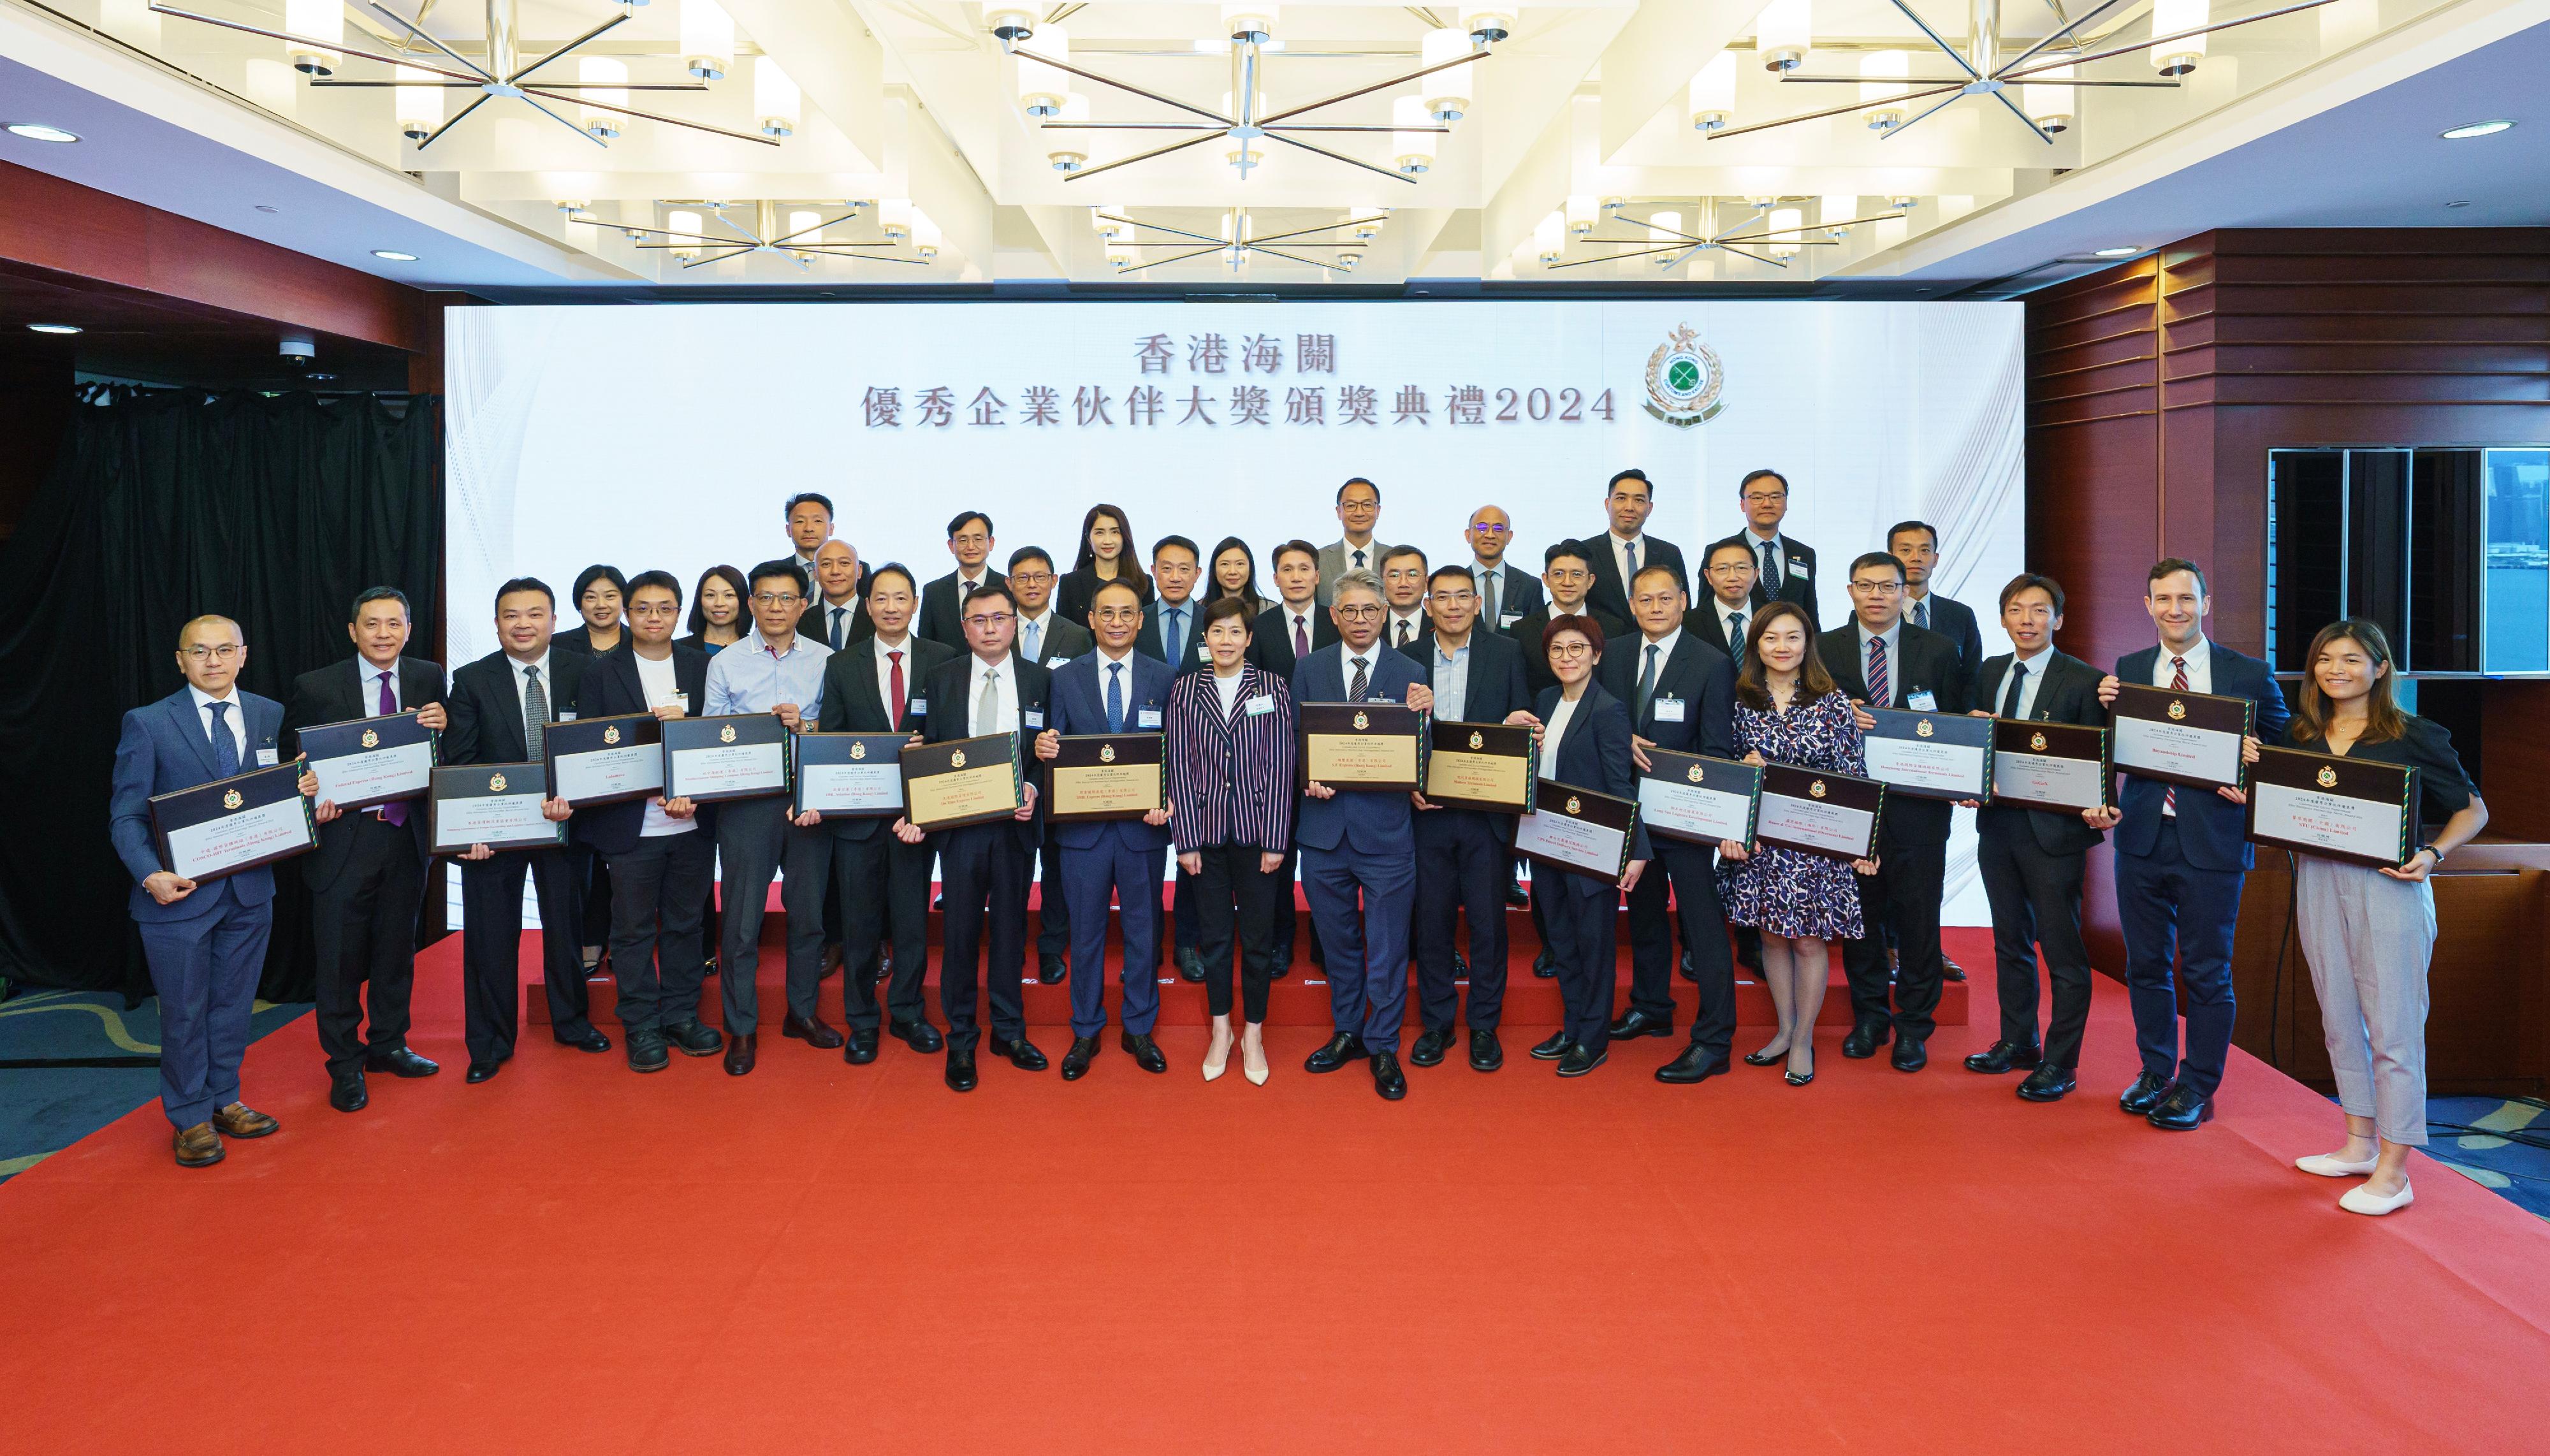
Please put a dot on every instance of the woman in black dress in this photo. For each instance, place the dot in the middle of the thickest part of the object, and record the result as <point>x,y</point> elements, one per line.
<point>1106,554</point>
<point>1235,574</point>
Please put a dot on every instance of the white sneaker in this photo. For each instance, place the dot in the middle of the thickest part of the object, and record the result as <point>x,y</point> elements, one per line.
<point>2330,1165</point>
<point>2360,1199</point>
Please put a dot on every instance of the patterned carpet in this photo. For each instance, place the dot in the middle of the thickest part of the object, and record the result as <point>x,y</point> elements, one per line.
<point>43,1109</point>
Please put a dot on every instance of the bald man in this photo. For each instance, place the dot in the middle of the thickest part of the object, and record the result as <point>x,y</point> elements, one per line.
<point>1507,594</point>
<point>834,616</point>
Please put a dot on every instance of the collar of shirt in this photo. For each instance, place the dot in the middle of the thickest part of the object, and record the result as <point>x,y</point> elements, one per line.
<point>1664,646</point>
<point>2202,652</point>
<point>2032,659</point>
<point>796,645</point>
<point>1301,617</point>
<point>1479,571</point>
<point>520,666</point>
<point>1891,637</point>
<point>1726,614</point>
<point>1460,653</point>
<point>901,644</point>
<point>204,700</point>
<point>1124,656</point>
<point>2199,664</point>
<point>851,606</point>
<point>1042,622</point>
<point>1348,658</point>
<point>1754,537</point>
<point>1415,615</point>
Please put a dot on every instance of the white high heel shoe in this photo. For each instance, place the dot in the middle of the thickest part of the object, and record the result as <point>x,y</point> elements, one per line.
<point>2362,1200</point>
<point>1253,1063</point>
<point>1215,1066</point>
<point>2330,1165</point>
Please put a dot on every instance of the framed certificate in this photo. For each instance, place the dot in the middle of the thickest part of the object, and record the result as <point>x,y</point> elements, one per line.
<point>2190,738</point>
<point>850,775</point>
<point>1815,812</point>
<point>963,781</point>
<point>234,824</point>
<point>1362,745</point>
<point>1482,765</point>
<point>1577,831</point>
<point>1100,776</point>
<point>2051,765</point>
<point>739,755</point>
<point>2334,807</point>
<point>605,760</point>
<point>1930,755</point>
<point>370,760</point>
<point>497,804</point>
<point>1699,799</point>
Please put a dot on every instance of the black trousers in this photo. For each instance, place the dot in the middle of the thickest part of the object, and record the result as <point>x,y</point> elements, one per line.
<point>593,886</point>
<point>2035,900</point>
<point>656,958</point>
<point>491,947</point>
<point>1904,894</point>
<point>1235,900</point>
<point>1689,870</point>
<point>884,885</point>
<point>983,872</point>
<point>755,840</point>
<point>1585,936</point>
<point>363,928</point>
<point>1054,907</point>
<point>1461,866</point>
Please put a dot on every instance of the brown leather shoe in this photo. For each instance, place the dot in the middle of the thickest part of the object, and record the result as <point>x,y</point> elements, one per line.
<point>198,1146</point>
<point>812,1031</point>
<point>739,1053</point>
<point>239,1120</point>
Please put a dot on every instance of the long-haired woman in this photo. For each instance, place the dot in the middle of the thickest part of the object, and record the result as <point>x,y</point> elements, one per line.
<point>1106,554</point>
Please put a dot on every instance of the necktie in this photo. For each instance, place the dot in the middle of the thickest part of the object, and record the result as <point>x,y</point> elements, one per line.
<point>1301,638</point>
<point>1881,693</point>
<point>1362,680</point>
<point>1406,629</point>
<point>393,812</point>
<point>2017,681</point>
<point>225,748</point>
<point>2176,684</point>
<point>1630,572</point>
<point>1735,636</point>
<point>1035,639</point>
<point>1358,561</point>
<point>894,686</point>
<point>1115,696</point>
<point>1921,614</point>
<point>536,714</point>
<point>1488,596</point>
<point>1647,682</point>
<point>1175,639</point>
<point>1770,567</point>
<point>840,615</point>
<point>987,703</point>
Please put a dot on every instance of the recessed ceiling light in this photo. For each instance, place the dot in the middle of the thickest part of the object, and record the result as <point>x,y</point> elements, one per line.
<point>39,132</point>
<point>2455,134</point>
<point>2465,201</point>
<point>392,255</point>
<point>267,207</point>
<point>54,328</point>
<point>2116,253</point>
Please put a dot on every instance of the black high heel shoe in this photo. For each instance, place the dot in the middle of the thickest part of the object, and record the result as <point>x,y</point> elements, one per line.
<point>1796,1081</point>
<point>1766,1058</point>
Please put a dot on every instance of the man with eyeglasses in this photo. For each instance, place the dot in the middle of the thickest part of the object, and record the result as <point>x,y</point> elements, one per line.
<point>943,601</point>
<point>1507,594</point>
<point>1567,570</point>
<point>1359,511</point>
<point>1049,641</point>
<point>1784,567</point>
<point>776,670</point>
<point>1625,548</point>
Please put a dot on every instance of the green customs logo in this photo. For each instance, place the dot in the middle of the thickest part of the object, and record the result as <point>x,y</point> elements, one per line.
<point>1685,380</point>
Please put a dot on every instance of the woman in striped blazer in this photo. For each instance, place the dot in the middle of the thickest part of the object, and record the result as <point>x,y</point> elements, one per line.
<point>1230,751</point>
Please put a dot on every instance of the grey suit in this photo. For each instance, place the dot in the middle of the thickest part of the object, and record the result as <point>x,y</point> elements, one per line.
<point>1335,559</point>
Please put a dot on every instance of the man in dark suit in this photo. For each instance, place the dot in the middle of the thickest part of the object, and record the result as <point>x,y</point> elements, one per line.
<point>1881,660</point>
<point>1049,641</point>
<point>1359,512</point>
<point>1784,566</point>
<point>1112,688</point>
<point>1283,635</point>
<point>970,540</point>
<point>1915,543</point>
<point>1507,594</point>
<point>1359,849</point>
<point>880,685</point>
<point>501,707</point>
<point>1567,569</point>
<point>367,876</point>
<point>985,867</point>
<point>1726,576</point>
<point>2182,856</point>
<point>1173,627</point>
<point>2032,859</point>
<point>1463,855</point>
<point>205,942</point>
<point>1403,575</point>
<point>1625,548</point>
<point>833,616</point>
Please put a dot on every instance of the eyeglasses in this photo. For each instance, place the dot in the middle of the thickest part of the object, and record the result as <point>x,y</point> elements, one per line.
<point>1120,616</point>
<point>223,653</point>
<point>1484,528</point>
<point>777,599</point>
<point>1032,578</point>
<point>1365,613</point>
<point>1577,649</point>
<point>1568,573</point>
<point>1756,496</point>
<point>1877,588</point>
<point>990,619</point>
<point>1455,596</point>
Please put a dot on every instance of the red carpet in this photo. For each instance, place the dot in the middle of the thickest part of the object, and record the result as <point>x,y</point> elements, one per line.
<point>830,1258</point>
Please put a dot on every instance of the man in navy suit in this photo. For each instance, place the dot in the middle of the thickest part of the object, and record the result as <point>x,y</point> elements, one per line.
<point>1784,566</point>
<point>1915,543</point>
<point>1507,593</point>
<point>2182,855</point>
<point>1626,550</point>
<point>1112,690</point>
<point>206,944</point>
<point>1283,635</point>
<point>1359,847</point>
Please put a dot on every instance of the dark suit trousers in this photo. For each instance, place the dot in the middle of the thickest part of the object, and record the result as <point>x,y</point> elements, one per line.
<point>983,871</point>
<point>1131,878</point>
<point>1904,894</point>
<point>491,947</point>
<point>884,886</point>
<point>754,842</point>
<point>656,954</point>
<point>205,969</point>
<point>1462,864</point>
<point>1585,936</point>
<point>1288,919</point>
<point>1053,899</point>
<point>2170,911</point>
<point>363,928</point>
<point>2036,901</point>
<point>1690,871</point>
<point>1235,901</point>
<point>1359,904</point>
<point>593,893</point>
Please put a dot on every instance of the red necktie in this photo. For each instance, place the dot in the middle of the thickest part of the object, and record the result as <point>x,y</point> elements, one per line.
<point>2176,684</point>
<point>393,812</point>
<point>894,686</point>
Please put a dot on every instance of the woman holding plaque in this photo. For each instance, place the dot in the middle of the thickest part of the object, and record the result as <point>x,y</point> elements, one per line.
<point>1788,711</point>
<point>1231,753</point>
<point>1235,574</point>
<point>1104,534</point>
<point>717,609</point>
<point>2368,933</point>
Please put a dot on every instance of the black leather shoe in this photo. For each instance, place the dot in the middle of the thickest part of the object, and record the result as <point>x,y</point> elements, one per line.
<point>2048,1082</point>
<point>1865,1038</point>
<point>1190,965</point>
<point>1580,1061</point>
<point>1460,966</point>
<point>1486,1053</point>
<point>1694,1065</point>
<point>1684,967</point>
<point>1553,1048</point>
<point>1951,970</point>
<point>1909,1054</point>
<point>960,1071</point>
<point>2004,1056</point>
<point>862,1048</point>
<point>591,1040</point>
<point>649,1052</point>
<point>345,1091</point>
<point>401,1063</point>
<point>1544,965</point>
<point>481,1071</point>
<point>1343,1048</point>
<point>689,1038</point>
<point>742,1050</point>
<point>1075,1062</point>
<point>1146,1052</point>
<point>1429,1048</point>
<point>2144,1095</point>
<point>921,1037</point>
<point>1638,1023</point>
<point>2183,1110</point>
<point>812,1030</point>
<point>1516,897</point>
<point>1387,1079</point>
<point>1050,970</point>
<point>1023,1054</point>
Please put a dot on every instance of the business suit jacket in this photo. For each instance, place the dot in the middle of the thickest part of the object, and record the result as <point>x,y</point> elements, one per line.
<point>1148,641</point>
<point>1079,586</point>
<point>1076,703</point>
<point>1924,661</point>
<point>1594,753</point>
<point>1518,595</point>
<point>1270,640</point>
<point>1231,780</point>
<point>1609,591</point>
<point>1955,620</point>
<point>579,639</point>
<point>2211,829</point>
<point>1696,672</point>
<point>1062,642</point>
<point>611,689</point>
<point>2067,693</point>
<point>817,620</point>
<point>1496,684</point>
<point>163,749</point>
<point>951,704</point>
<point>1378,821</point>
<point>853,703</point>
<point>1334,561</point>
<point>940,606</point>
<point>1794,584</point>
<point>487,715</point>
<point>340,693</point>
<point>1527,635</point>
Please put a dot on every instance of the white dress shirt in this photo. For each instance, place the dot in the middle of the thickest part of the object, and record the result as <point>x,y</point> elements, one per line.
<point>235,719</point>
<point>2199,667</point>
<point>1005,712</point>
<point>1621,558</point>
<point>656,680</point>
<point>1370,551</point>
<point>1368,661</point>
<point>846,613</point>
<point>2028,685</point>
<point>1413,619</point>
<point>1300,630</point>
<point>367,680</point>
<point>1726,615</point>
<point>1554,730</point>
<point>523,686</point>
<point>1664,650</point>
<point>885,672</point>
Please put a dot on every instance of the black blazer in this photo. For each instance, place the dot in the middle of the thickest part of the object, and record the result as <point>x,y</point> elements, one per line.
<point>1696,672</point>
<point>1593,754</point>
<point>2068,693</point>
<point>852,705</point>
<point>1497,685</point>
<point>939,606</point>
<point>1794,584</point>
<point>1527,635</point>
<point>1609,592</point>
<point>487,715</point>
<point>1518,595</point>
<point>1922,660</point>
<point>1270,638</point>
<point>817,620</point>
<point>950,704</point>
<point>1071,595</point>
<point>1148,641</point>
<point>579,639</point>
<point>336,694</point>
<point>713,648</point>
<point>1062,639</point>
<point>1955,620</point>
<point>611,688</point>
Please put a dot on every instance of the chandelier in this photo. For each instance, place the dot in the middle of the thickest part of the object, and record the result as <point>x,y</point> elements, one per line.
<point>1779,235</point>
<point>804,238</point>
<point>1239,240</point>
<point>1449,55</point>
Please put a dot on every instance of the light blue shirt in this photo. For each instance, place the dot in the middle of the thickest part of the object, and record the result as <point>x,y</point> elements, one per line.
<point>1451,678</point>
<point>747,677</point>
<point>1177,635</point>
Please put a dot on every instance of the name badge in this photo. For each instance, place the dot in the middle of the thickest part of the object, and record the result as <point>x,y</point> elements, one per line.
<point>1058,661</point>
<point>1507,619</point>
<point>1147,718</point>
<point>915,707</point>
<point>266,758</point>
<point>1921,702</point>
<point>1261,704</point>
<point>1033,717</point>
<point>1801,568</point>
<point>1203,652</point>
<point>568,716</point>
<point>1668,710</point>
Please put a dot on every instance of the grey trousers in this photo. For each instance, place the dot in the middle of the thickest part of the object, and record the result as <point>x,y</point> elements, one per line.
<point>754,839</point>
<point>2369,938</point>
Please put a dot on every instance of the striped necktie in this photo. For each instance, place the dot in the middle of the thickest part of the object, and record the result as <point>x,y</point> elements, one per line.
<point>1881,691</point>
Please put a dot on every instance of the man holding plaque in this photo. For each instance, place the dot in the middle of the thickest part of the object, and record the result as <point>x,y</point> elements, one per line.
<point>367,876</point>
<point>1046,639</point>
<point>1283,635</point>
<point>2182,856</point>
<point>205,942</point>
<point>1359,847</point>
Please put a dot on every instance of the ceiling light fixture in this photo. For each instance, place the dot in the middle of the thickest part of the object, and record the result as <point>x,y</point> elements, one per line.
<point>1781,236</point>
<point>1237,240</point>
<point>691,242</point>
<point>2116,253</point>
<point>39,132</point>
<point>54,328</point>
<point>2455,134</point>
<point>391,254</point>
<point>1712,93</point>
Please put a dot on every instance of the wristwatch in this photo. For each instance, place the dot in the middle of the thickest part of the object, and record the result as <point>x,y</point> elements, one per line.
<point>2431,847</point>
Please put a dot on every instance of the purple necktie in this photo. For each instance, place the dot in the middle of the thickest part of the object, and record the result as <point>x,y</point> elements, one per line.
<point>392,813</point>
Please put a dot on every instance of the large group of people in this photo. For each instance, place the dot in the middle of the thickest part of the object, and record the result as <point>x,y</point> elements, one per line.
<point>1599,654</point>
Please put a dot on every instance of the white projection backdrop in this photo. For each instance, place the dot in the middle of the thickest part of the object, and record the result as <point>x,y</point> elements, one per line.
<point>668,437</point>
